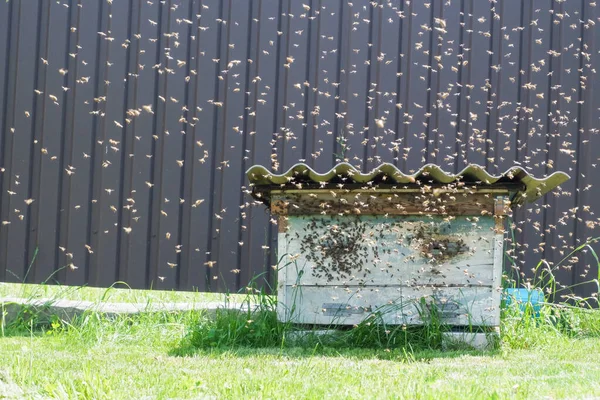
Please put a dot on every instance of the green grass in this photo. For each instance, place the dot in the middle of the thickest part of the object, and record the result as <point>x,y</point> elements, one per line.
<point>129,365</point>
<point>172,355</point>
<point>114,295</point>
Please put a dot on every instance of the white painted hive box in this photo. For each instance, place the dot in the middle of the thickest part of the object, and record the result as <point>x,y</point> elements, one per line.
<point>402,246</point>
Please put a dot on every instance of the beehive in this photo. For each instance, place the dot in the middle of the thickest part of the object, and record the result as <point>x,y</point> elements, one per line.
<point>352,244</point>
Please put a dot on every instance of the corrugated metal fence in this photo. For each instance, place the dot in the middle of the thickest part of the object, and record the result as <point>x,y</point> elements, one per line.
<point>126,125</point>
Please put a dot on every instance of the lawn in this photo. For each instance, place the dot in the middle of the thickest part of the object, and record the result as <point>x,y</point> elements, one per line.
<point>113,295</point>
<point>132,357</point>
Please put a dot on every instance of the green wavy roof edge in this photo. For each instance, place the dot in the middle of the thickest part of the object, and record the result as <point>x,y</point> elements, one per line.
<point>535,188</point>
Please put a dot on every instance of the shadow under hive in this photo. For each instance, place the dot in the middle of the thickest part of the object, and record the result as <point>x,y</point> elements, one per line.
<point>351,244</point>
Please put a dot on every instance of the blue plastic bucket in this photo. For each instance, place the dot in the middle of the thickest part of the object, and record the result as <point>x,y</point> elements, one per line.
<point>522,297</point>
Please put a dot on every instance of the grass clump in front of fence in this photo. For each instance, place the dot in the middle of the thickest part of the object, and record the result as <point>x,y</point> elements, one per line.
<point>256,325</point>
<point>534,328</point>
<point>230,329</point>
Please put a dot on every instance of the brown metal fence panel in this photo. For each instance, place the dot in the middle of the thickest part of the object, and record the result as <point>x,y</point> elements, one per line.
<point>126,126</point>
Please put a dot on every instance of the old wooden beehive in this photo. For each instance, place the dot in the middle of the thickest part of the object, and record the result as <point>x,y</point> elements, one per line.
<point>352,244</point>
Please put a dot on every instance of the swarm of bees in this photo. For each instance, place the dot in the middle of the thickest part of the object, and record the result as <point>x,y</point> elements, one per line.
<point>342,250</point>
<point>177,107</point>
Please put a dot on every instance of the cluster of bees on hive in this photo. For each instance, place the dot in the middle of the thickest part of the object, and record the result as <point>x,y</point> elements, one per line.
<point>395,126</point>
<point>340,248</point>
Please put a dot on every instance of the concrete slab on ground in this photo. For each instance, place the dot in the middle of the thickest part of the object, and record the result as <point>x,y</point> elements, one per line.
<point>11,307</point>
<point>477,341</point>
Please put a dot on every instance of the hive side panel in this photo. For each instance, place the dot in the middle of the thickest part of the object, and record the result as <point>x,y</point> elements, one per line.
<point>384,202</point>
<point>473,306</point>
<point>375,250</point>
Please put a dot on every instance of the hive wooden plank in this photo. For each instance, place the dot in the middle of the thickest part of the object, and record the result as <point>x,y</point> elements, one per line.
<point>457,306</point>
<point>374,250</point>
<point>385,202</point>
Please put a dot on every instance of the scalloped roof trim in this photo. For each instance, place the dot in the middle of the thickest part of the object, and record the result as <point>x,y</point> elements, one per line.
<point>258,175</point>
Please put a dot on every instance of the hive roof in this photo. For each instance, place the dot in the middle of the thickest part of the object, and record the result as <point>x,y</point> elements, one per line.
<point>530,188</point>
